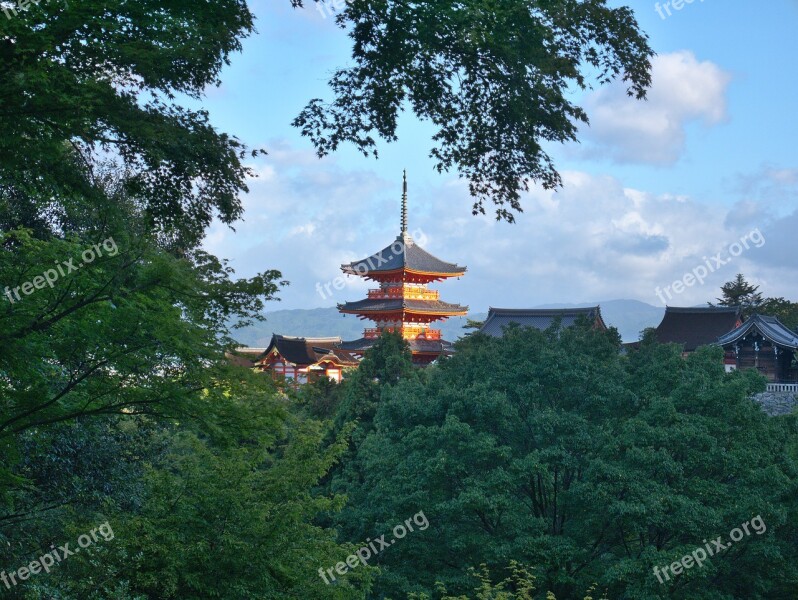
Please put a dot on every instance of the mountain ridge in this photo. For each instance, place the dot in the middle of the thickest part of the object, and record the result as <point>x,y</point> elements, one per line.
<point>630,317</point>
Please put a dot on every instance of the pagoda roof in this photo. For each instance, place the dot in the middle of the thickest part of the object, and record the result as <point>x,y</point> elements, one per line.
<point>769,328</point>
<point>307,351</point>
<point>538,318</point>
<point>391,305</point>
<point>402,255</point>
<point>696,326</point>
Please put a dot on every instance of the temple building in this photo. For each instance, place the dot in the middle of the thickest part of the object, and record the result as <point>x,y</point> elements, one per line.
<point>402,303</point>
<point>539,318</point>
<point>765,344</point>
<point>694,327</point>
<point>298,360</point>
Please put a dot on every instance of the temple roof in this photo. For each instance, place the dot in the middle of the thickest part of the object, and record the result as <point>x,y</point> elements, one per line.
<point>307,351</point>
<point>405,254</point>
<point>499,318</point>
<point>388,305</point>
<point>694,327</point>
<point>769,327</point>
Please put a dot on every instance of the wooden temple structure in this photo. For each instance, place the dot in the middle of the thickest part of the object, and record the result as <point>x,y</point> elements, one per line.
<point>300,360</point>
<point>403,303</point>
<point>765,344</point>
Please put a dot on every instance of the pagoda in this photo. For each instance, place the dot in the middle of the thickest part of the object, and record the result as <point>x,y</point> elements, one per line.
<point>402,303</point>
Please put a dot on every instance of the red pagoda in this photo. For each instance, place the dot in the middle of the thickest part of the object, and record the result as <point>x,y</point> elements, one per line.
<point>403,304</point>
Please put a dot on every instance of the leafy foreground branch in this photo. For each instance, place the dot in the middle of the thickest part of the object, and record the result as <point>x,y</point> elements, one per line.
<point>493,78</point>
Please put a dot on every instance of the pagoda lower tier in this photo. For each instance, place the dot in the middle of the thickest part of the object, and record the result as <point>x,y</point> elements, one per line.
<point>424,351</point>
<point>409,317</point>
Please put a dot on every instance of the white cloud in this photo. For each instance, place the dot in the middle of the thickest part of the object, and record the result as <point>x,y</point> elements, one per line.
<point>595,239</point>
<point>683,91</point>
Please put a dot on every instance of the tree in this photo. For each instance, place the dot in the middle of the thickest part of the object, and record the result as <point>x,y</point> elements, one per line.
<point>190,516</point>
<point>520,585</point>
<point>99,79</point>
<point>473,324</point>
<point>236,523</point>
<point>385,364</point>
<point>783,309</point>
<point>133,329</point>
<point>739,292</point>
<point>493,78</point>
<point>551,449</point>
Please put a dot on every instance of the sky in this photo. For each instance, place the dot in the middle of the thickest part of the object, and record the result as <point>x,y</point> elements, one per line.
<point>663,201</point>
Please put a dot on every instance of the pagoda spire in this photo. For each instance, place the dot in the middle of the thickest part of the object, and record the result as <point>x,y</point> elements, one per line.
<point>404,201</point>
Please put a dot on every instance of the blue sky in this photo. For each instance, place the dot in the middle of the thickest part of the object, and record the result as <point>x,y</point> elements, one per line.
<point>653,191</point>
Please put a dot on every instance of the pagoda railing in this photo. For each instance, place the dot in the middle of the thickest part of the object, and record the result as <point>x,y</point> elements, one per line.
<point>406,293</point>
<point>406,332</point>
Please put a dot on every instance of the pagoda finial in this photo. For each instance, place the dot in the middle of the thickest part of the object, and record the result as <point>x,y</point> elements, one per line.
<point>404,201</point>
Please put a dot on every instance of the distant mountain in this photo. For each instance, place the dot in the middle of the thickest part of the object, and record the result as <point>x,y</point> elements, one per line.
<point>629,316</point>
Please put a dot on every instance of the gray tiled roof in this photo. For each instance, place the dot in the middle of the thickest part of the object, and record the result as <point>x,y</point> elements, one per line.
<point>403,253</point>
<point>696,326</point>
<point>397,304</point>
<point>769,327</point>
<point>499,318</point>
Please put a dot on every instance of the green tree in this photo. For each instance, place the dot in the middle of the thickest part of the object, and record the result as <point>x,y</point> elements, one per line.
<point>781,308</point>
<point>739,292</point>
<point>385,364</point>
<point>193,516</point>
<point>551,449</point>
<point>100,79</point>
<point>136,329</point>
<point>492,78</point>
<point>93,80</point>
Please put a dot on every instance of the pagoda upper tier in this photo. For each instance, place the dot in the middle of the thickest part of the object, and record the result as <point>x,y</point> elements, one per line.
<point>403,261</point>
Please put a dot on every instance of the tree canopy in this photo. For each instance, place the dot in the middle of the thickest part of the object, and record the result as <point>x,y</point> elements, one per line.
<point>738,292</point>
<point>492,77</point>
<point>553,450</point>
<point>98,81</point>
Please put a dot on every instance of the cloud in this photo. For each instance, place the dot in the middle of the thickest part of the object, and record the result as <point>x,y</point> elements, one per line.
<point>594,239</point>
<point>683,91</point>
<point>767,194</point>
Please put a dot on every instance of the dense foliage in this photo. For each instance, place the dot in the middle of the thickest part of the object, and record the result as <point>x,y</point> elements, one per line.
<point>554,450</point>
<point>738,292</point>
<point>495,79</point>
<point>87,81</point>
